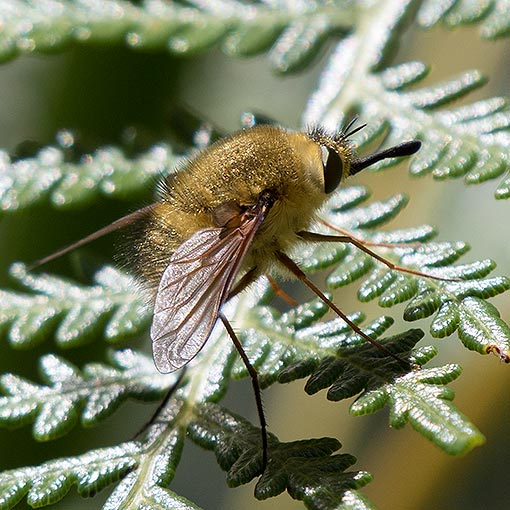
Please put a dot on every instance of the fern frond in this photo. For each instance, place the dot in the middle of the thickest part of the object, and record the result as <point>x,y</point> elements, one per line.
<point>74,312</point>
<point>332,355</point>
<point>419,397</point>
<point>155,455</point>
<point>491,16</point>
<point>458,304</point>
<point>275,340</point>
<point>471,141</point>
<point>107,172</point>
<point>147,465</point>
<point>293,34</point>
<point>70,394</point>
<point>46,484</point>
<point>306,469</point>
<point>312,348</point>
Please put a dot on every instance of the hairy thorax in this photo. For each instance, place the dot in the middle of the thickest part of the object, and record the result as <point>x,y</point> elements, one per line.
<point>238,170</point>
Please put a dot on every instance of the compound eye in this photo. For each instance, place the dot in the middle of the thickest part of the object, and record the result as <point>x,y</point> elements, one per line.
<point>333,169</point>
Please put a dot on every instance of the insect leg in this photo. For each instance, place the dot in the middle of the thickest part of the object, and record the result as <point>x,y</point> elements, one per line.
<point>315,237</point>
<point>255,383</point>
<point>250,277</point>
<point>346,233</point>
<point>112,227</point>
<point>247,279</point>
<point>164,402</point>
<point>296,271</point>
<point>280,292</point>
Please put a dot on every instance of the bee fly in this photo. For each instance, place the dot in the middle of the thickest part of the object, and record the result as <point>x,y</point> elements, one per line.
<point>229,216</point>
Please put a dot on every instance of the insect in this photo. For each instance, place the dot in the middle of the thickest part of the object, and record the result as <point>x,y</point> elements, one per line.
<point>228,217</point>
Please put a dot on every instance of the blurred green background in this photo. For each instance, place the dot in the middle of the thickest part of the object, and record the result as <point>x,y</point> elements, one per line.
<point>99,93</point>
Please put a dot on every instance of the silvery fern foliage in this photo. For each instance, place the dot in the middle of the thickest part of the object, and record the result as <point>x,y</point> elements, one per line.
<point>45,309</point>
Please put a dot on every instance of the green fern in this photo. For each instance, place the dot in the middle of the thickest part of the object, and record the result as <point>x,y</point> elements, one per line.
<point>94,393</point>
<point>492,16</point>
<point>300,467</point>
<point>471,141</point>
<point>107,172</point>
<point>293,35</point>
<point>152,459</point>
<point>48,483</point>
<point>458,303</point>
<point>77,313</point>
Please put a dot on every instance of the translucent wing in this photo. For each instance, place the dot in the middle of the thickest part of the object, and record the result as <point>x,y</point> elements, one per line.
<point>195,284</point>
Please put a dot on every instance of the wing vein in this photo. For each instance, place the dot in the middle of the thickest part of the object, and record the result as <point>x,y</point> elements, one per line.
<point>195,284</point>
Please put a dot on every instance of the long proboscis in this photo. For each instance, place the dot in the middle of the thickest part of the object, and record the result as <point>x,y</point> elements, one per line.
<point>397,151</point>
<point>123,222</point>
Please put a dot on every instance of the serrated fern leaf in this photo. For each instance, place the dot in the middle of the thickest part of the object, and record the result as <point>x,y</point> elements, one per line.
<point>74,312</point>
<point>275,340</point>
<point>422,399</point>
<point>492,16</point>
<point>148,462</point>
<point>419,397</point>
<point>471,141</point>
<point>150,497</point>
<point>48,483</point>
<point>47,177</point>
<point>294,345</point>
<point>70,394</point>
<point>479,320</point>
<point>306,469</point>
<point>458,303</point>
<point>145,465</point>
<point>293,34</point>
<point>146,486</point>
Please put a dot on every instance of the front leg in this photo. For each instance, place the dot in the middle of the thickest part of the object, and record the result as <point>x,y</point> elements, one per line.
<point>315,237</point>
